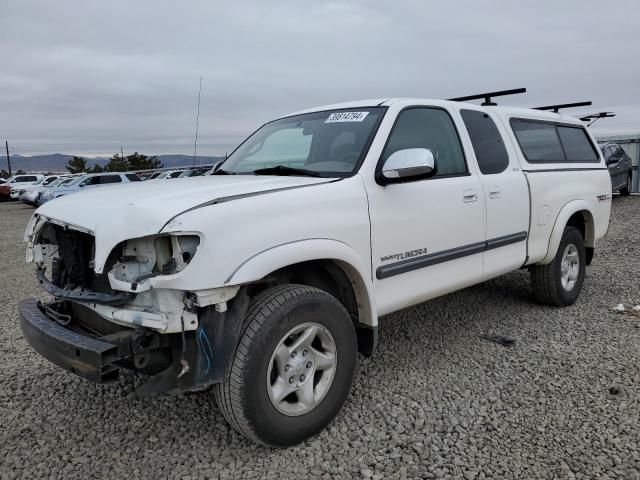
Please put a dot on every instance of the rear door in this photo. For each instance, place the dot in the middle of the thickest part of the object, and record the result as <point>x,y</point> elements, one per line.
<point>506,194</point>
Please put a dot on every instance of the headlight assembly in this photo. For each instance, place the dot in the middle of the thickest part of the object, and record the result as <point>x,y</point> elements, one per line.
<point>146,257</point>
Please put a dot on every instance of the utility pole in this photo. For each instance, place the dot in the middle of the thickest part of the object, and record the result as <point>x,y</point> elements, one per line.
<point>6,145</point>
<point>195,142</point>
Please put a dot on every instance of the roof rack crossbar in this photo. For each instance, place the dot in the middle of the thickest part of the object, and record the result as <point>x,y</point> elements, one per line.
<point>594,117</point>
<point>487,96</point>
<point>557,107</point>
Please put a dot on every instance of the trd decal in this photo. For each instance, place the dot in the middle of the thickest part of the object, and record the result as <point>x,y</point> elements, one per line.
<point>401,256</point>
<point>604,198</point>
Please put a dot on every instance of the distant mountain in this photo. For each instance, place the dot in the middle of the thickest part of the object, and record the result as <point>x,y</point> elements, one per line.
<point>56,162</point>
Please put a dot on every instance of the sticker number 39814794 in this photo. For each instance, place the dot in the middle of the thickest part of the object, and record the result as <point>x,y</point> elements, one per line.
<point>346,117</point>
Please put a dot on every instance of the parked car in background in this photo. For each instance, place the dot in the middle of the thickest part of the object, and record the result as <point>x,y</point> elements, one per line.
<point>87,181</point>
<point>26,179</point>
<point>31,195</point>
<point>47,194</point>
<point>620,167</point>
<point>195,172</point>
<point>169,174</point>
<point>20,189</point>
<point>3,180</point>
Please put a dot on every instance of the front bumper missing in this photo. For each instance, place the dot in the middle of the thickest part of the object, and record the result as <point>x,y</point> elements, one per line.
<point>87,357</point>
<point>208,351</point>
<point>84,296</point>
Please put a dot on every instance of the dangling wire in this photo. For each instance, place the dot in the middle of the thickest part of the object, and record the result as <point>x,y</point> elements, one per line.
<point>183,360</point>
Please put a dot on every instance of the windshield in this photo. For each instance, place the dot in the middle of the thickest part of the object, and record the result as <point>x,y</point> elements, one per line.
<point>50,180</point>
<point>329,143</point>
<point>55,183</point>
<point>72,181</point>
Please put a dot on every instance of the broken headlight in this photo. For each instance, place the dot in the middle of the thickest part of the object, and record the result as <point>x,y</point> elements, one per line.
<point>147,257</point>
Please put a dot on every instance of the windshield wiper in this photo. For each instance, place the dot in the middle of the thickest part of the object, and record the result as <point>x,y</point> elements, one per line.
<point>223,172</point>
<point>286,171</point>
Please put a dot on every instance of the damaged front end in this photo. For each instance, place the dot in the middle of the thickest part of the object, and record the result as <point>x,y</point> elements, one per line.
<point>124,315</point>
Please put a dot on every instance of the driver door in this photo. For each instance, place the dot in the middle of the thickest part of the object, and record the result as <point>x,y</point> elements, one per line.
<point>427,235</point>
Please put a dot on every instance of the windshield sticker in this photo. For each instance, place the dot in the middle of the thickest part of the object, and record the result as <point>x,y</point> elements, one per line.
<point>346,117</point>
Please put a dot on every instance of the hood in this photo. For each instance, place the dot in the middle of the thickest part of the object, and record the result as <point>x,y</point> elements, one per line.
<point>115,213</point>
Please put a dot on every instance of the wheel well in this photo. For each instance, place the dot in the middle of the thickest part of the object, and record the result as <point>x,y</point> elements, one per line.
<point>583,221</point>
<point>337,280</point>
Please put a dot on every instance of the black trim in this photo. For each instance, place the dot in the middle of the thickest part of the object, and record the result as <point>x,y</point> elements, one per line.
<point>542,170</point>
<point>556,125</point>
<point>506,240</point>
<point>404,266</point>
<point>382,181</point>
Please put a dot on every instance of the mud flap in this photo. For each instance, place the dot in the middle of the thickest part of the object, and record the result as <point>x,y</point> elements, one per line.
<point>208,351</point>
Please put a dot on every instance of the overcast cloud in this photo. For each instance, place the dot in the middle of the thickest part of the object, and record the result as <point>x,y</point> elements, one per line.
<point>86,77</point>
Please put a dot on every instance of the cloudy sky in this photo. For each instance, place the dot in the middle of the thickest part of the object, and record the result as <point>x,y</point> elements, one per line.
<point>87,77</point>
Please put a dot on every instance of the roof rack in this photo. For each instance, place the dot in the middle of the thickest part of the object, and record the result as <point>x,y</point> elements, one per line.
<point>487,96</point>
<point>557,107</point>
<point>594,117</point>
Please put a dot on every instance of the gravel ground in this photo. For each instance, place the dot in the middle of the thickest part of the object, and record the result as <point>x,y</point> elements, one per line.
<point>436,401</point>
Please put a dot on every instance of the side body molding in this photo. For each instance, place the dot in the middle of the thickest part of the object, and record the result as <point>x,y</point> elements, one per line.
<point>561,221</point>
<point>290,253</point>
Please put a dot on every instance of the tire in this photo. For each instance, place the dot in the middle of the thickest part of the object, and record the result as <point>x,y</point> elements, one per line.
<point>626,190</point>
<point>245,396</point>
<point>547,281</point>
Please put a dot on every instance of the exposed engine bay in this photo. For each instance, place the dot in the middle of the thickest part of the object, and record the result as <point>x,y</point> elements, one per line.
<point>121,318</point>
<point>126,292</point>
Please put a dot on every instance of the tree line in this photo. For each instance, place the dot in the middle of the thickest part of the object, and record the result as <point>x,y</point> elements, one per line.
<point>117,163</point>
<point>5,174</point>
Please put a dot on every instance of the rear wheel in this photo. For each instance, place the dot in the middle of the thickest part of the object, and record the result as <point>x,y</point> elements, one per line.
<point>559,283</point>
<point>626,190</point>
<point>293,366</point>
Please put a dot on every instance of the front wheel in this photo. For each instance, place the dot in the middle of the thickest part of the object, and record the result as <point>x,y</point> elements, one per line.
<point>559,283</point>
<point>293,366</point>
<point>626,190</point>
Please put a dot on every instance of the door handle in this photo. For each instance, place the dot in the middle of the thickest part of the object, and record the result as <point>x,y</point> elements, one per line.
<point>469,196</point>
<point>494,192</point>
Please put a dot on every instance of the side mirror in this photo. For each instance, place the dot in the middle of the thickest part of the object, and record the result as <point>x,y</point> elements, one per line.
<point>408,164</point>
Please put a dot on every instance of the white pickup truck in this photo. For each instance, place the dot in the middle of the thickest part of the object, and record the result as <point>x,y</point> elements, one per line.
<point>266,278</point>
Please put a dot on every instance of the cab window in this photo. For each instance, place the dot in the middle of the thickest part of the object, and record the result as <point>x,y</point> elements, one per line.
<point>431,128</point>
<point>487,142</point>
